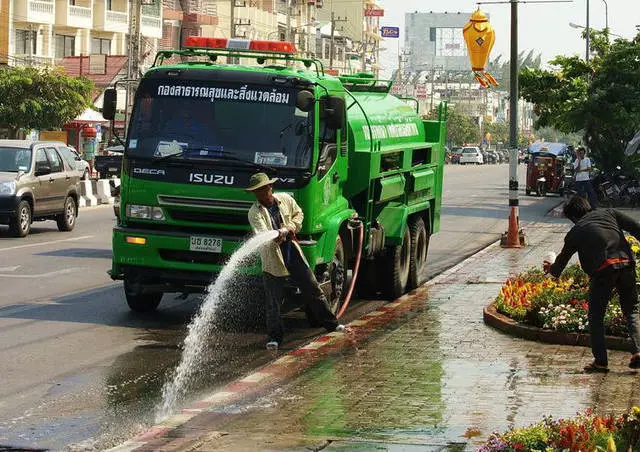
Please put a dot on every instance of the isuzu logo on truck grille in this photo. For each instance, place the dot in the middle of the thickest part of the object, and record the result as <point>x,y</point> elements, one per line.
<point>211,179</point>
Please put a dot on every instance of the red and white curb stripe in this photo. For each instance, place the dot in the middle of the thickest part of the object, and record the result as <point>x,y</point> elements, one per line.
<point>294,361</point>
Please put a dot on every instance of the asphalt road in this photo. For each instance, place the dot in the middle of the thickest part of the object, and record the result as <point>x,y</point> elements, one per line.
<point>79,368</point>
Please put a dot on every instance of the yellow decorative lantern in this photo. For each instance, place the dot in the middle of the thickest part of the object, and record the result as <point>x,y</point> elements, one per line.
<point>480,36</point>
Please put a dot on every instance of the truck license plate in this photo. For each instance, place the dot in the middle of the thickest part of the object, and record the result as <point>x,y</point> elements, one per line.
<point>206,244</point>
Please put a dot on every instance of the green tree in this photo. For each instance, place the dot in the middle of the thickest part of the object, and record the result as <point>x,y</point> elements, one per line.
<point>499,131</point>
<point>461,128</point>
<point>599,99</point>
<point>41,98</point>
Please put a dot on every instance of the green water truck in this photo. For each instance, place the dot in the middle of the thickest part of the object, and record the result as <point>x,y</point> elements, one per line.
<point>362,164</point>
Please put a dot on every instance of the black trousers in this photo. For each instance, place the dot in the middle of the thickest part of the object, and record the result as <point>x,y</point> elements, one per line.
<point>303,277</point>
<point>602,284</point>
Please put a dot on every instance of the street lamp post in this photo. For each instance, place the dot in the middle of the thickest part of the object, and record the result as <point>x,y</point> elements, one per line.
<point>606,14</point>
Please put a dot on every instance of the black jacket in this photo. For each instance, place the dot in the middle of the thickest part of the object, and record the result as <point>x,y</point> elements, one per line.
<point>598,237</point>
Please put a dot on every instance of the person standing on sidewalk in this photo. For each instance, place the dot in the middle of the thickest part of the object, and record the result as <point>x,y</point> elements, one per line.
<point>605,255</point>
<point>582,171</point>
<point>283,258</point>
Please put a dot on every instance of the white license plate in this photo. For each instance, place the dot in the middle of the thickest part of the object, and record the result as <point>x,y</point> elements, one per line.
<point>207,244</point>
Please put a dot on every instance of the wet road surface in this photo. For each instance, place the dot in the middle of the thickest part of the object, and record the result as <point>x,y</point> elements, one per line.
<point>81,369</point>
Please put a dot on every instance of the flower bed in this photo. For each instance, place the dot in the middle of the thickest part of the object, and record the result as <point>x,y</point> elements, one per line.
<point>561,304</point>
<point>585,432</point>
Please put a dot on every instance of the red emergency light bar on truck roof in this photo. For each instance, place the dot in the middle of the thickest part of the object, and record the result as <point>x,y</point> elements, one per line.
<point>201,42</point>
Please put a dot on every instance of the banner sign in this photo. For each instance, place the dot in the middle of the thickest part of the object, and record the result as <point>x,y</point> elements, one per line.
<point>374,12</point>
<point>390,32</point>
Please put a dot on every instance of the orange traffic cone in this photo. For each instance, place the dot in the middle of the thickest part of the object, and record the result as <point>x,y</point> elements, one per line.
<point>512,237</point>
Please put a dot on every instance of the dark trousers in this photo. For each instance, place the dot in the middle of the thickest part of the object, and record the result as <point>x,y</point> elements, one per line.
<point>602,283</point>
<point>585,188</point>
<point>306,281</point>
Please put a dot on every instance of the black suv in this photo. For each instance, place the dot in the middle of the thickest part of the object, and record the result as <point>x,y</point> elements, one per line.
<point>36,183</point>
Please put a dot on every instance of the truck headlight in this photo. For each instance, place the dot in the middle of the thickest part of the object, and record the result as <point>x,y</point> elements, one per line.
<point>145,212</point>
<point>8,188</point>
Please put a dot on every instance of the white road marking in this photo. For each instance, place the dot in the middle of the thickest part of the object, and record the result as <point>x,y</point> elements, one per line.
<point>42,275</point>
<point>9,269</point>
<point>52,242</point>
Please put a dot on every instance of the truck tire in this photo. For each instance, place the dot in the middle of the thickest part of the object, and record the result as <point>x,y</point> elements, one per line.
<point>67,220</point>
<point>337,271</point>
<point>396,267</point>
<point>139,301</point>
<point>419,249</point>
<point>20,222</point>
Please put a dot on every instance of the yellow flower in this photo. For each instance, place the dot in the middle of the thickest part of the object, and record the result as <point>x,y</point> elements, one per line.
<point>635,249</point>
<point>611,444</point>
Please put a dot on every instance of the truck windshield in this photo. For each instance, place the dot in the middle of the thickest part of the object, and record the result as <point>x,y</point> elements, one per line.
<point>210,120</point>
<point>13,159</point>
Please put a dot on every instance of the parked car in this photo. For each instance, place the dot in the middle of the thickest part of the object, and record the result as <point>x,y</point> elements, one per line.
<point>471,155</point>
<point>456,151</point>
<point>75,161</point>
<point>110,163</point>
<point>36,184</point>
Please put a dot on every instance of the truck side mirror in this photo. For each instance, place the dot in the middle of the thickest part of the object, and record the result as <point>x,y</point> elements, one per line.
<point>334,112</point>
<point>109,105</point>
<point>305,101</point>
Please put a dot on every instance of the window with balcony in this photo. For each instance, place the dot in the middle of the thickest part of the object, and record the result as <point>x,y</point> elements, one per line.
<point>72,2</point>
<point>25,41</point>
<point>65,46</point>
<point>100,46</point>
<point>109,5</point>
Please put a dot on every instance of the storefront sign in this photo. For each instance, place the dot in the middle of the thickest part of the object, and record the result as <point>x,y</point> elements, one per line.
<point>374,12</point>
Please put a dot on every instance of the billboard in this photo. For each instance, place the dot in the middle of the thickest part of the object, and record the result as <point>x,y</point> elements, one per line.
<point>390,32</point>
<point>373,12</point>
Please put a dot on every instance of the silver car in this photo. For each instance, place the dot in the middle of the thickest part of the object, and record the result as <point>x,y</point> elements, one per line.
<point>75,161</point>
<point>36,184</point>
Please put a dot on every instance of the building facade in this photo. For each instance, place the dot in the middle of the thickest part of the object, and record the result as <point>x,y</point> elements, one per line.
<point>47,31</point>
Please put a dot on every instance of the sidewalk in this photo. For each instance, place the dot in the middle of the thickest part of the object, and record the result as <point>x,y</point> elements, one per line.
<point>429,376</point>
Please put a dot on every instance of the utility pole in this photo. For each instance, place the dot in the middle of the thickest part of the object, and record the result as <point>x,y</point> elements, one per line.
<point>133,62</point>
<point>288,30</point>
<point>333,32</point>
<point>232,16</point>
<point>364,51</point>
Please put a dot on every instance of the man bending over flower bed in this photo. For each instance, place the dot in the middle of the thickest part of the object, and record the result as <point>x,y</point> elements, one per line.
<point>605,255</point>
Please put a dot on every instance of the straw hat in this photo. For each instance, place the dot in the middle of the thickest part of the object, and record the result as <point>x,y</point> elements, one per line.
<point>259,180</point>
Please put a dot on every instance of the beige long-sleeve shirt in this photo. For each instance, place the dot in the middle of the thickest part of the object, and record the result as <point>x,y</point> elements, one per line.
<point>260,221</point>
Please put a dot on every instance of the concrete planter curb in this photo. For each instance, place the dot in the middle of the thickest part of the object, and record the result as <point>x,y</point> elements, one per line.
<point>503,323</point>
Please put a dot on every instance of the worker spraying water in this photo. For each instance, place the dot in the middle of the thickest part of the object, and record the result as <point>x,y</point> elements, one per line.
<point>283,257</point>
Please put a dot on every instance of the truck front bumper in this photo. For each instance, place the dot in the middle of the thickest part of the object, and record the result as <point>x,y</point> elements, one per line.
<point>163,259</point>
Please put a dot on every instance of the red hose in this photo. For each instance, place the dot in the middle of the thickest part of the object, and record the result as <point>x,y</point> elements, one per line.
<point>355,273</point>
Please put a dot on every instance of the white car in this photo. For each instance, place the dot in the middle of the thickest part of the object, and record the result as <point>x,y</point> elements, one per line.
<point>471,155</point>
<point>75,161</point>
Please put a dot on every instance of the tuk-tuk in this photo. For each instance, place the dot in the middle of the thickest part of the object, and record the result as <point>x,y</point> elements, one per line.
<point>546,168</point>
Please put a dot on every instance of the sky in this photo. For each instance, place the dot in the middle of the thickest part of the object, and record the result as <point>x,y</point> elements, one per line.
<point>543,27</point>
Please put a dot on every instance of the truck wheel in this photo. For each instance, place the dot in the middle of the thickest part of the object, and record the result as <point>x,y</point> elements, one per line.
<point>139,301</point>
<point>397,263</point>
<point>419,250</point>
<point>337,274</point>
<point>20,222</point>
<point>67,220</point>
